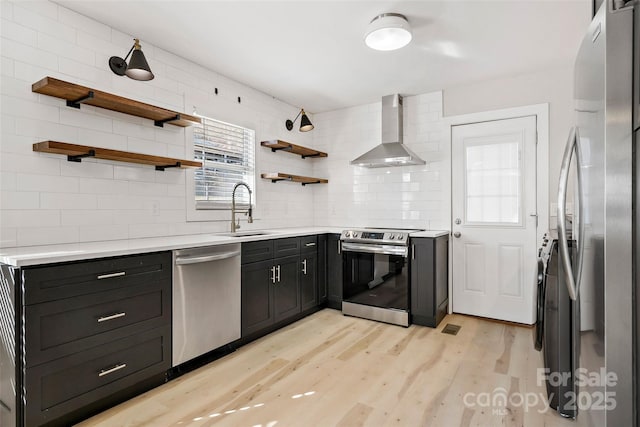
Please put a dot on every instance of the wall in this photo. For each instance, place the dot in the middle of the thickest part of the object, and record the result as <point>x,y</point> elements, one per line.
<point>553,86</point>
<point>407,196</point>
<point>46,199</point>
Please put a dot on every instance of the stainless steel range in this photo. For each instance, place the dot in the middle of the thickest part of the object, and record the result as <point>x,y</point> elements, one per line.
<point>376,274</point>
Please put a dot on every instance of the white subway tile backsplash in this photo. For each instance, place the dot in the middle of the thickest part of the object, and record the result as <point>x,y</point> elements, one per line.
<point>6,69</point>
<point>83,24</point>
<point>29,218</point>
<point>8,236</point>
<point>87,168</point>
<point>46,130</point>
<point>47,183</point>
<point>68,201</point>
<point>148,230</point>
<point>28,54</point>
<point>30,236</point>
<point>19,200</point>
<point>18,32</point>
<point>103,186</point>
<point>134,173</point>
<point>36,163</point>
<point>78,217</point>
<point>81,119</point>
<point>92,233</point>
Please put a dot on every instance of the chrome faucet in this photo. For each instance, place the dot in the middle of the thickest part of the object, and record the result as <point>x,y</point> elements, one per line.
<point>248,212</point>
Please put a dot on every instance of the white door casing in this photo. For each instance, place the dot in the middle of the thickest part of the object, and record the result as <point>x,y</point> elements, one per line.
<point>494,218</point>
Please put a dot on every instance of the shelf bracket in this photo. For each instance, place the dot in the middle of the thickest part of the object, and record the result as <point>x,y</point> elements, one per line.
<point>310,155</point>
<point>160,123</point>
<point>76,102</point>
<point>163,167</point>
<point>287,148</point>
<point>312,182</point>
<point>78,157</point>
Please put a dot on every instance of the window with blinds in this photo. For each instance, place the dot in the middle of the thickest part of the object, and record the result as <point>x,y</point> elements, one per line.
<point>227,155</point>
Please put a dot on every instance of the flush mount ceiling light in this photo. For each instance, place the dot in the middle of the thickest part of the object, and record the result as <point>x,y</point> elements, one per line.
<point>305,123</point>
<point>388,31</point>
<point>138,68</point>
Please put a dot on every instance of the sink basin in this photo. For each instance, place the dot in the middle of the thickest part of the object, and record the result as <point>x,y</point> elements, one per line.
<point>245,233</point>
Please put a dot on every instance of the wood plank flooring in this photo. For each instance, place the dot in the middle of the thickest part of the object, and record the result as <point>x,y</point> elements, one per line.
<point>332,370</point>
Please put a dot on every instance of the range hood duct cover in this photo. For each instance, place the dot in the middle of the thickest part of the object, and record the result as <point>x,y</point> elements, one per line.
<point>392,152</point>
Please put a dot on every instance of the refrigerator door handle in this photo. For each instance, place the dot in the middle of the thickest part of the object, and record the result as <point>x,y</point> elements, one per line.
<point>572,282</point>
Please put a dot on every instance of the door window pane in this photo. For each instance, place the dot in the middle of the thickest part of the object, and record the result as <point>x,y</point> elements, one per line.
<point>493,182</point>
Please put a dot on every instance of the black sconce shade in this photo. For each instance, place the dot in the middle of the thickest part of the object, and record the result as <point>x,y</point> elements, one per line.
<point>138,68</point>
<point>305,123</point>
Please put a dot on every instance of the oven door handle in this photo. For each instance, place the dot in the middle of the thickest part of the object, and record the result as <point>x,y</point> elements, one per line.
<point>376,249</point>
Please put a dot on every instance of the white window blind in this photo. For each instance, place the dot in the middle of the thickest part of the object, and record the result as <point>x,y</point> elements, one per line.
<point>227,155</point>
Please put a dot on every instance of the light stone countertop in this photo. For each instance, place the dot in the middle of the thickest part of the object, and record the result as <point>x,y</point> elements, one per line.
<point>49,254</point>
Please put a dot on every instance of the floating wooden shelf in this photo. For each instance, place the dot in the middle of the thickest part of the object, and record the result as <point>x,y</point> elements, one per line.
<point>75,153</point>
<point>277,145</point>
<point>77,95</point>
<point>304,180</point>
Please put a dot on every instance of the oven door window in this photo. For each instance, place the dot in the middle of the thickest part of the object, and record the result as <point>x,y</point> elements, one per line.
<point>378,280</point>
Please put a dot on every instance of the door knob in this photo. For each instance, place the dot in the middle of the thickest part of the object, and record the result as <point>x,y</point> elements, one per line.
<point>457,234</point>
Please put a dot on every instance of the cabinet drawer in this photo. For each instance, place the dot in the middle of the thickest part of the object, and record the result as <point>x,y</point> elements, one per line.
<point>65,385</point>
<point>257,251</point>
<point>287,247</point>
<point>49,283</point>
<point>308,244</point>
<point>59,328</point>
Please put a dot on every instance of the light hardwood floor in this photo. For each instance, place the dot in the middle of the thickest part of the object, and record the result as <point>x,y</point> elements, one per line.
<point>332,370</point>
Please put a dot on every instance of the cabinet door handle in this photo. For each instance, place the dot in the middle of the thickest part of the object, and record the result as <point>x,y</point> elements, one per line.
<point>413,251</point>
<point>111,317</point>
<point>110,275</point>
<point>273,274</point>
<point>339,251</point>
<point>278,272</point>
<point>310,244</point>
<point>304,267</point>
<point>112,370</point>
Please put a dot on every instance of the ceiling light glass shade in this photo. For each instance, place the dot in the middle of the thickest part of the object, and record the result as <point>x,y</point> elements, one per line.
<point>388,31</point>
<point>305,123</point>
<point>138,68</point>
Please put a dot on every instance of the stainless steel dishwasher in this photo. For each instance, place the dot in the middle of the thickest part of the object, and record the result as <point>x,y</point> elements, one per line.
<point>206,300</point>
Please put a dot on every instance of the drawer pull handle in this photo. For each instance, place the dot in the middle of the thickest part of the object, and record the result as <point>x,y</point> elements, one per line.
<point>112,370</point>
<point>309,244</point>
<point>108,276</point>
<point>113,316</point>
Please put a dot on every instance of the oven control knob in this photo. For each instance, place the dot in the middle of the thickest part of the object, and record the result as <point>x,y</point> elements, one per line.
<point>392,236</point>
<point>347,234</point>
<point>355,234</point>
<point>400,236</point>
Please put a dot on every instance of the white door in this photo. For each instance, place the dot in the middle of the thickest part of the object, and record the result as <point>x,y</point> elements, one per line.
<point>494,219</point>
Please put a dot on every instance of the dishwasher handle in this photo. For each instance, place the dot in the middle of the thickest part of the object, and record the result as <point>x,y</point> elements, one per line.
<point>206,258</point>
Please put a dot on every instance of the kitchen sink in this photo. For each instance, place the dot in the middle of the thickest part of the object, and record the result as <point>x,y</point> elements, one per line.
<point>245,233</point>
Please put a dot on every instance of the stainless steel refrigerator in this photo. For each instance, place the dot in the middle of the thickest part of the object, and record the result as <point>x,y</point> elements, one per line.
<point>600,268</point>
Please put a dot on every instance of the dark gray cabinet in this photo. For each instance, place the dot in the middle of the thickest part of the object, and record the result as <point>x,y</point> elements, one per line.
<point>322,269</point>
<point>279,282</point>
<point>429,280</point>
<point>286,289</point>
<point>308,281</point>
<point>334,272</point>
<point>92,334</point>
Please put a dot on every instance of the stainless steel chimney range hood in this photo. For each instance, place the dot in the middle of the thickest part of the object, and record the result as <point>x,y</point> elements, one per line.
<point>392,152</point>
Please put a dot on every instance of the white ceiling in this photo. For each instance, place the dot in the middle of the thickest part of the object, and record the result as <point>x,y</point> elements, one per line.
<point>311,54</point>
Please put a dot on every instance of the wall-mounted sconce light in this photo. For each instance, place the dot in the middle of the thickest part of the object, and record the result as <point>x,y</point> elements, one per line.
<point>305,123</point>
<point>138,68</point>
